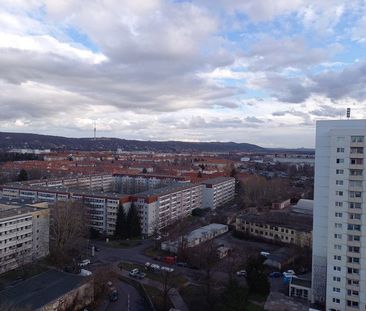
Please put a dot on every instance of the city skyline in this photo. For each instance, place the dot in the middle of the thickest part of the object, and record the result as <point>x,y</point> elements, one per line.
<point>252,71</point>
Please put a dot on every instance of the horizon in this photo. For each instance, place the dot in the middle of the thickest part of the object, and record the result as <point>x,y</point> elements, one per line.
<point>249,72</point>
<point>160,141</point>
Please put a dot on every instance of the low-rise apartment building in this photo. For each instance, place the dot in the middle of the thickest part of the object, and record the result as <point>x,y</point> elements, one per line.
<point>24,233</point>
<point>277,226</point>
<point>218,191</point>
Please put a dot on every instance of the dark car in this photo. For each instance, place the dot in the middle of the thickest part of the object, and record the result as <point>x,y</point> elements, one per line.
<point>182,264</point>
<point>113,296</point>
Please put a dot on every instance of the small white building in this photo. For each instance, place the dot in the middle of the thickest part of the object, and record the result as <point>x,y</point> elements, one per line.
<point>196,237</point>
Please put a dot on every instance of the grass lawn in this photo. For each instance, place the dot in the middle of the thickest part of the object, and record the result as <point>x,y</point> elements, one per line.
<point>124,243</point>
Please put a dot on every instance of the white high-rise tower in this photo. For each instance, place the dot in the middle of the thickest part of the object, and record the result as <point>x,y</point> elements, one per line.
<point>339,233</point>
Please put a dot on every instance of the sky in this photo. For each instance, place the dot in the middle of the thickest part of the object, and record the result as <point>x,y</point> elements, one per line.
<point>253,71</point>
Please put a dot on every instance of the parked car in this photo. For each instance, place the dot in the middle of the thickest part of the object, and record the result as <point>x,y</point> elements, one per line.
<point>182,264</point>
<point>140,275</point>
<point>113,294</point>
<point>167,269</point>
<point>84,262</point>
<point>275,274</point>
<point>241,273</point>
<point>133,272</point>
<point>264,254</point>
<point>158,258</point>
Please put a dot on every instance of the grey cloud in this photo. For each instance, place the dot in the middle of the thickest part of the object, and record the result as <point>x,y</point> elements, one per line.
<point>253,120</point>
<point>328,111</point>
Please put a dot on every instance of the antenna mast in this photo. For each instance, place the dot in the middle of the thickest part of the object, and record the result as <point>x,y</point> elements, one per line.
<point>95,130</point>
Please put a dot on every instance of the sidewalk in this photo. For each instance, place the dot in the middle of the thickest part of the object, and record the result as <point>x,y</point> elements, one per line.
<point>173,294</point>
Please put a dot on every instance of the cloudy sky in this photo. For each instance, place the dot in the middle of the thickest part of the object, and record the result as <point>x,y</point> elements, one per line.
<point>253,71</point>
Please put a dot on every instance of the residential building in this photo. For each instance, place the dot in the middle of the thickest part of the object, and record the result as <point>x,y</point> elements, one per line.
<point>24,233</point>
<point>196,237</point>
<point>339,244</point>
<point>161,207</point>
<point>277,226</point>
<point>218,191</point>
<point>50,290</point>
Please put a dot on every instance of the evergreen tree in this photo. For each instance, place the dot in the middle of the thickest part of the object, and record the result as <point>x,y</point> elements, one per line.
<point>121,224</point>
<point>23,175</point>
<point>133,222</point>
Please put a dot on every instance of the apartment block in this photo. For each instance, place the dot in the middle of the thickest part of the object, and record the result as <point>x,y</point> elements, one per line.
<point>339,244</point>
<point>159,208</point>
<point>166,200</point>
<point>24,233</point>
<point>277,226</point>
<point>218,191</point>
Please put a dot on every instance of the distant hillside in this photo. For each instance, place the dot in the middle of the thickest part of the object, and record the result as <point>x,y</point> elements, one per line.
<point>35,141</point>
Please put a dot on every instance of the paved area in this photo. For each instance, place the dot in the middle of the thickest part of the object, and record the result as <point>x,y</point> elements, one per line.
<point>281,302</point>
<point>129,299</point>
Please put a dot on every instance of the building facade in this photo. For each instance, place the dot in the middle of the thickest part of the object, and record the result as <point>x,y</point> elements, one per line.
<point>339,237</point>
<point>277,227</point>
<point>24,234</point>
<point>218,191</point>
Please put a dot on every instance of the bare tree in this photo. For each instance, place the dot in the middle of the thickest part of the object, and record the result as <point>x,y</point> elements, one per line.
<point>167,280</point>
<point>68,230</point>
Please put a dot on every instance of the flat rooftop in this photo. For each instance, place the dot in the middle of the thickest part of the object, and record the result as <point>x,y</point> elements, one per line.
<point>165,190</point>
<point>217,180</point>
<point>300,222</point>
<point>42,289</point>
<point>14,207</point>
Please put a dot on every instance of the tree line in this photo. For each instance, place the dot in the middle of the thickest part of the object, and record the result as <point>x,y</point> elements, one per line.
<point>127,224</point>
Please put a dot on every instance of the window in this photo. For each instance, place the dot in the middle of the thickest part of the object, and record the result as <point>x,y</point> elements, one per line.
<point>337,257</point>
<point>354,227</point>
<point>353,271</point>
<point>339,182</point>
<point>336,279</point>
<point>355,172</point>
<point>355,183</point>
<point>356,150</point>
<point>355,194</point>
<point>353,249</point>
<point>336,289</point>
<point>339,204</point>
<point>339,172</point>
<point>338,225</point>
<point>353,259</point>
<point>354,216</point>
<point>337,246</point>
<point>352,303</point>
<point>336,300</point>
<point>356,161</point>
<point>352,237</point>
<point>340,150</point>
<point>339,193</point>
<point>336,268</point>
<point>354,205</point>
<point>357,139</point>
<point>337,236</point>
<point>338,214</point>
<point>339,161</point>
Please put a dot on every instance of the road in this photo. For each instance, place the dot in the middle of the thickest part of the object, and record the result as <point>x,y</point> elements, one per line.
<point>129,299</point>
